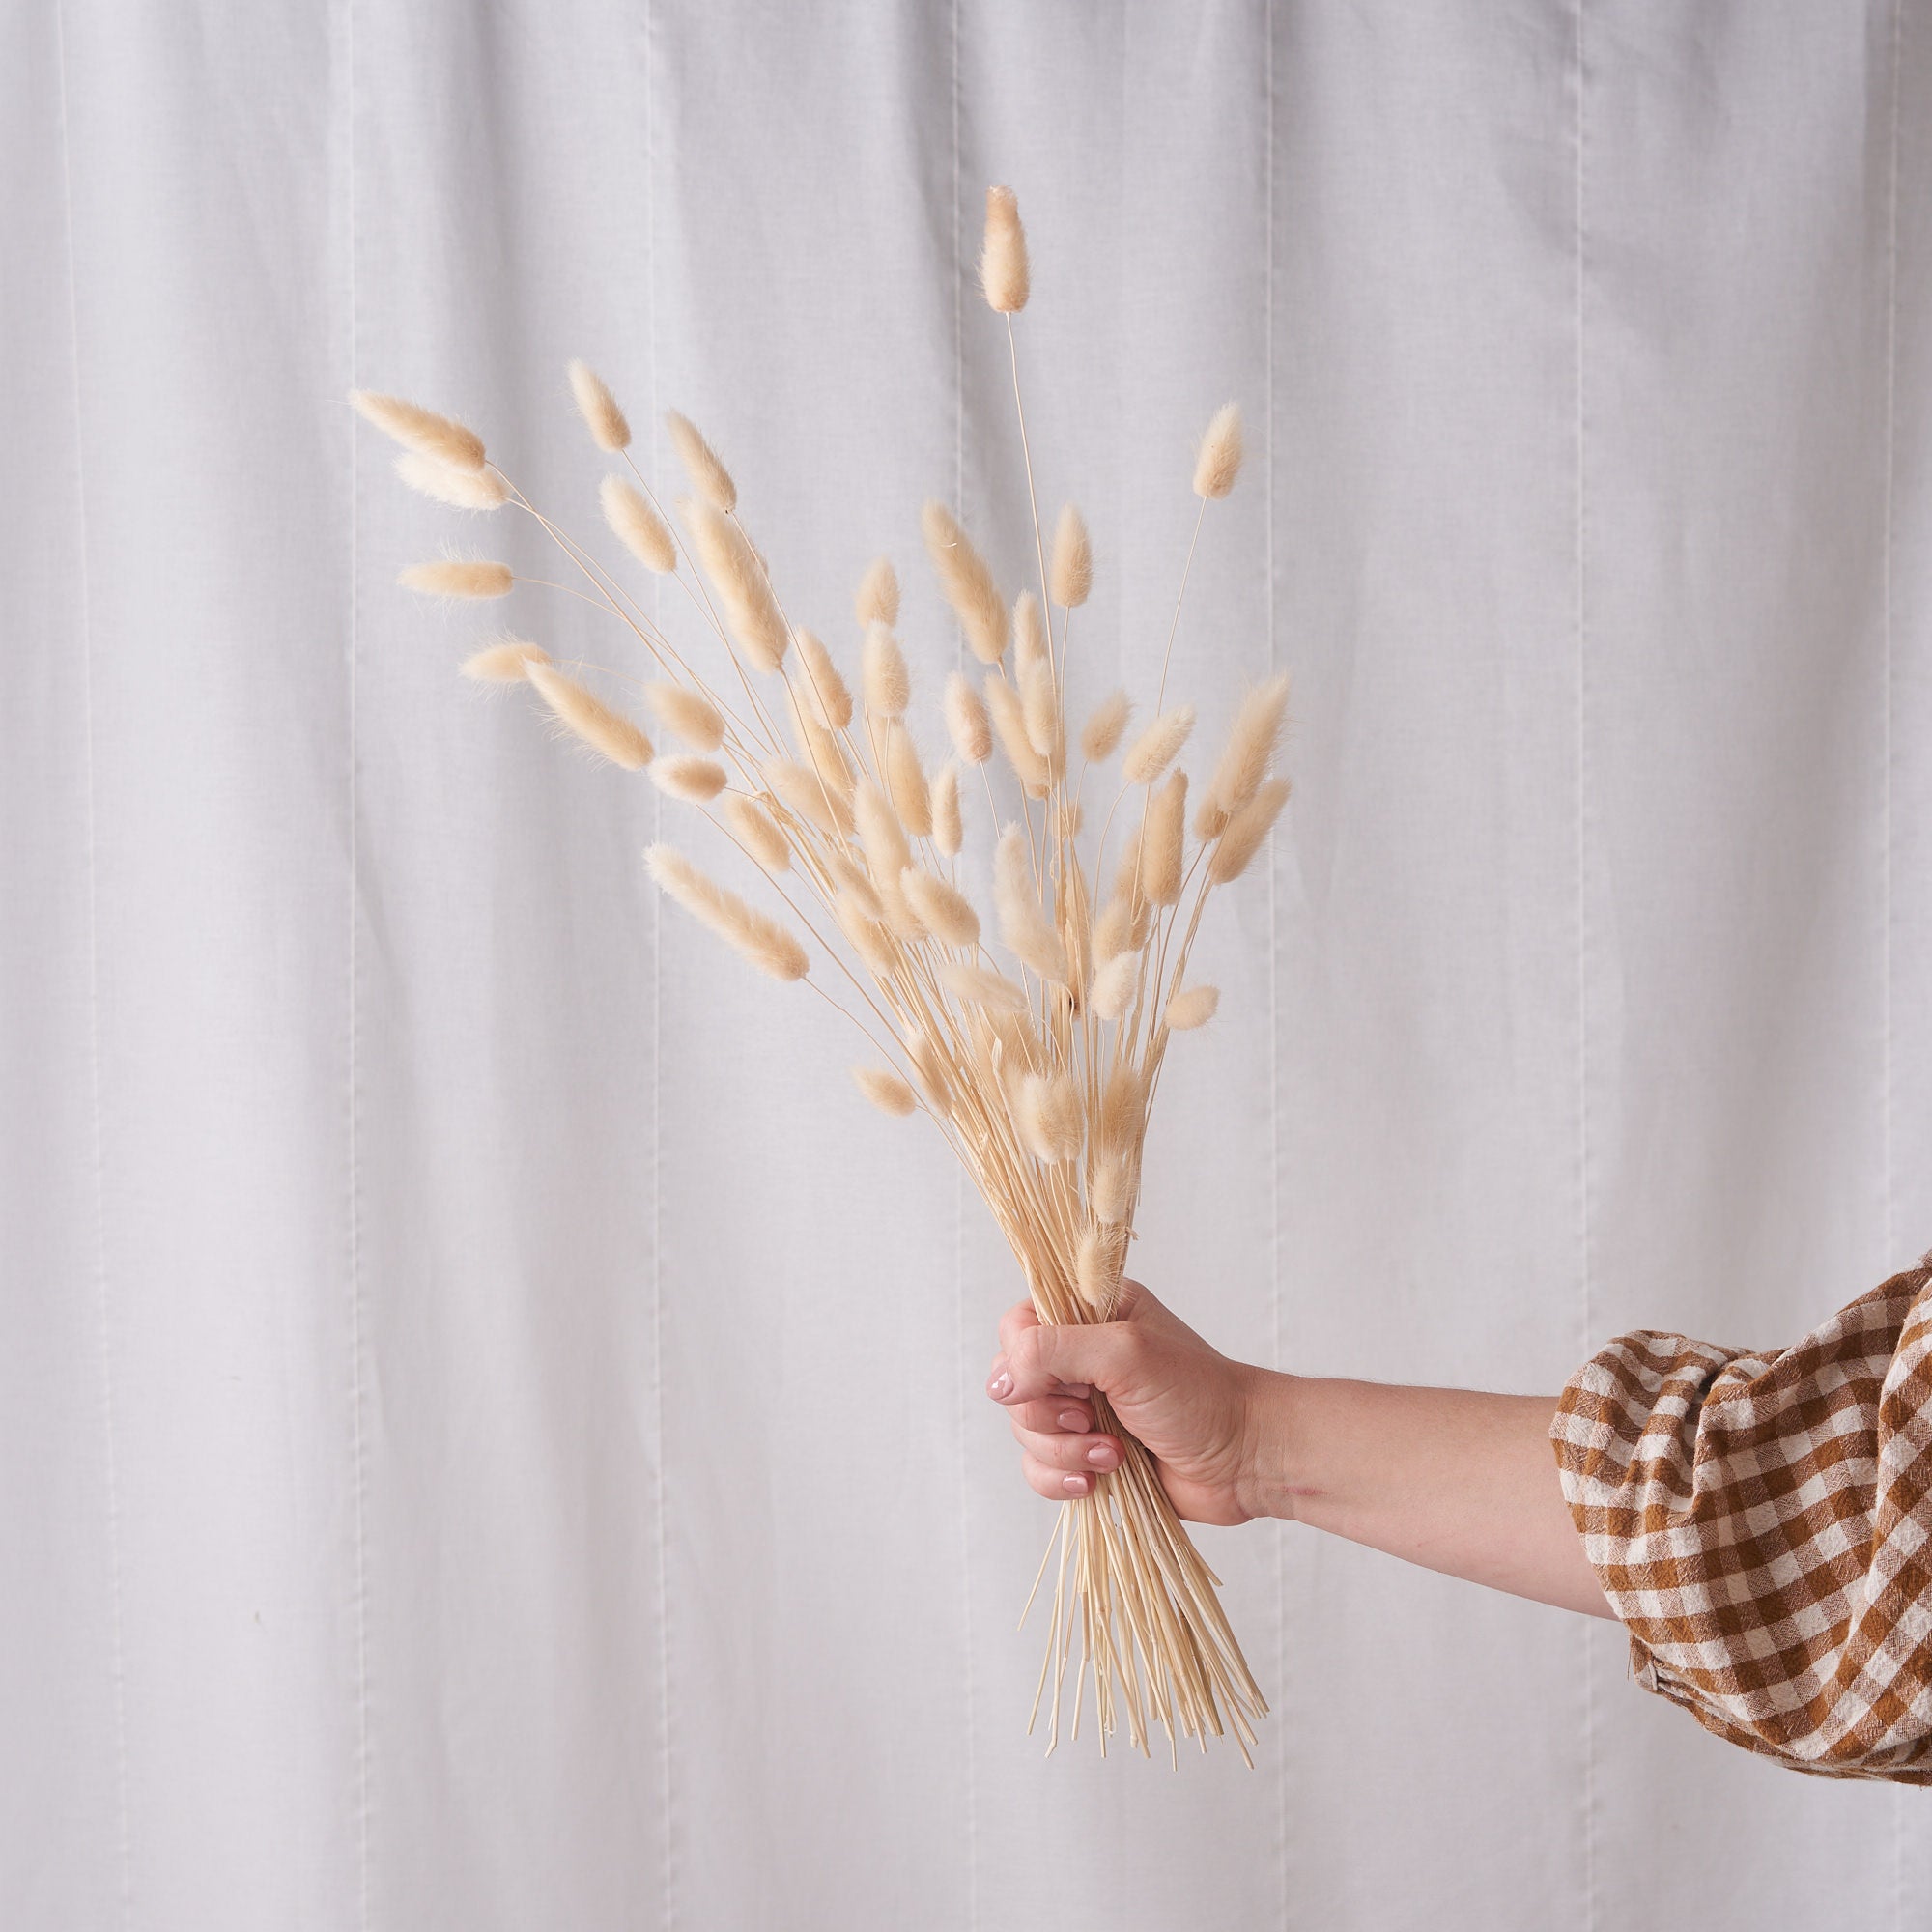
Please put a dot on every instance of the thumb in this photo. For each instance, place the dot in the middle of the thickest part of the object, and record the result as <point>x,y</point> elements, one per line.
<point>1043,1360</point>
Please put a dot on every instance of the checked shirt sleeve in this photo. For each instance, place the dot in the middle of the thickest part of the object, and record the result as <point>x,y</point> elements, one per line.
<point>1760,1522</point>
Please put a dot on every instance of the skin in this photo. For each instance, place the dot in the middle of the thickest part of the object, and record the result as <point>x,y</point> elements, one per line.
<point>1452,1479</point>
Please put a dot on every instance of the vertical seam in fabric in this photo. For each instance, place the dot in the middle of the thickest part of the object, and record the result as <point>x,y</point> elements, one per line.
<point>665,1761</point>
<point>1274,946</point>
<point>1586,1635</point>
<point>358,1446</point>
<point>117,1668</point>
<point>1889,1209</point>
<point>958,1178</point>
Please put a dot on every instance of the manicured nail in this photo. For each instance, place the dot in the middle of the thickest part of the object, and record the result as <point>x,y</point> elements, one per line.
<point>1101,1454</point>
<point>1001,1387</point>
<point>1072,1418</point>
<point>1076,1486</point>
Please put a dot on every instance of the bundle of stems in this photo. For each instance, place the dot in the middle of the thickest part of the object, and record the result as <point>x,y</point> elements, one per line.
<point>1033,1042</point>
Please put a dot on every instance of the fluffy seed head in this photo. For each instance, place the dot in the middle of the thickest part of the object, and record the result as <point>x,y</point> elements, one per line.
<point>928,1066</point>
<point>462,489</point>
<point>967,582</point>
<point>1163,839</point>
<point>1008,715</point>
<point>880,833</point>
<point>869,937</point>
<point>1192,1007</point>
<point>1029,632</point>
<point>882,674</point>
<point>599,409</point>
<point>740,580</point>
<point>943,909</point>
<point>1250,749</point>
<point>804,793</point>
<point>1049,1117</point>
<point>440,438</point>
<point>505,662</point>
<point>1039,705</point>
<point>818,746</point>
<point>1030,934</point>
<point>593,720</point>
<point>878,599</point>
<point>1104,725</point>
<point>763,941</point>
<point>886,1091</point>
<point>821,678</point>
<point>1003,255</point>
<point>905,779</point>
<point>1114,931</point>
<point>1219,462</point>
<point>708,476</point>
<point>1245,830</point>
<point>636,525</point>
<point>686,714</point>
<point>1097,1268</point>
<point>1121,1121</point>
<point>1114,986</point>
<point>1110,1191</point>
<point>454,576</point>
<point>854,887</point>
<point>982,986</point>
<point>949,834</point>
<point>967,720</point>
<point>685,776</point>
<point>1154,750</point>
<point>752,827</point>
<point>1072,574</point>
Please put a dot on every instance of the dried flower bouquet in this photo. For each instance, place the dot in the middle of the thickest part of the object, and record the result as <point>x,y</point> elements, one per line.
<point>1035,1049</point>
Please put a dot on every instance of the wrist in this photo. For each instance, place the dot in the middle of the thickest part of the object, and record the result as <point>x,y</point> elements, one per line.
<point>1267,1484</point>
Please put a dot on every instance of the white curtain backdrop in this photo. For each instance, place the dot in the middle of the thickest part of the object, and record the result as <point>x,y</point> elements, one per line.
<point>491,1429</point>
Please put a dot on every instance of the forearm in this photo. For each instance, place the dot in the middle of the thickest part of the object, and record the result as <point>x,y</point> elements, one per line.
<point>1456,1481</point>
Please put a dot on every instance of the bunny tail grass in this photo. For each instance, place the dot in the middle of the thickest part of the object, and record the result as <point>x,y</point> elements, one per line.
<point>765,943</point>
<point>440,438</point>
<point>590,718</point>
<point>1220,461</point>
<point>1003,255</point>
<point>708,476</point>
<point>598,408</point>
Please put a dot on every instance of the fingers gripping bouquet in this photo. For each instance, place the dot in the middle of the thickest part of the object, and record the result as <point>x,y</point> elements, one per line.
<point>1033,1041</point>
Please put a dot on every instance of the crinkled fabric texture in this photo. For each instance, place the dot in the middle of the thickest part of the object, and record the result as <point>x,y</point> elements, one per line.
<point>1759,1522</point>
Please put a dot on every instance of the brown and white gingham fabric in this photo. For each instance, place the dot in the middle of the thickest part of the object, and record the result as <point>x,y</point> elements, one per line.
<point>1760,1523</point>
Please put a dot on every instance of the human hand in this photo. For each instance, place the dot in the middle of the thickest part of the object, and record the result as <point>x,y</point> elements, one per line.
<point>1188,1404</point>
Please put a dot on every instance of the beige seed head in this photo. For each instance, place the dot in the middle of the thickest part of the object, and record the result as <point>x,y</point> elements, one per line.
<point>967,582</point>
<point>982,986</point>
<point>928,1066</point>
<point>708,476</point>
<point>739,577</point>
<point>905,779</point>
<point>1003,255</point>
<point>1114,986</point>
<point>881,952</point>
<point>803,793</point>
<point>1219,462</point>
<point>636,525</point>
<point>821,678</point>
<point>949,833</point>
<point>882,674</point>
<point>462,489</point>
<point>1246,830</point>
<point>598,408</point>
<point>1154,750</point>
<point>1110,1191</point>
<point>967,722</point>
<point>878,599</point>
<point>593,720</point>
<point>1049,1115</point>
<point>1163,839</point>
<point>1008,715</point>
<point>1072,574</point>
<point>505,662</point>
<point>1104,725</point>
<point>761,940</point>
<point>1030,934</point>
<point>886,1091</point>
<point>1114,931</point>
<point>456,577</point>
<point>1252,741</point>
<point>943,909</point>
<point>880,833</point>
<point>818,746</point>
<point>1030,645</point>
<point>1098,1268</point>
<point>854,886</point>
<point>685,776</point>
<point>687,715</point>
<point>440,438</point>
<point>1192,1007</point>
<point>751,825</point>
<point>1040,706</point>
<point>1123,1118</point>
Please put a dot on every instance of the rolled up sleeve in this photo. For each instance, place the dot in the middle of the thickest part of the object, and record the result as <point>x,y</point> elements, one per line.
<point>1759,1522</point>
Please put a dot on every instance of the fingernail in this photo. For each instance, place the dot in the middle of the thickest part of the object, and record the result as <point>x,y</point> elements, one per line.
<point>1001,1387</point>
<point>1072,1418</point>
<point>1101,1454</point>
<point>1076,1486</point>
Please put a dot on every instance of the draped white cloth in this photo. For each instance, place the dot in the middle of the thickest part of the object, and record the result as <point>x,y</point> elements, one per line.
<point>491,1429</point>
